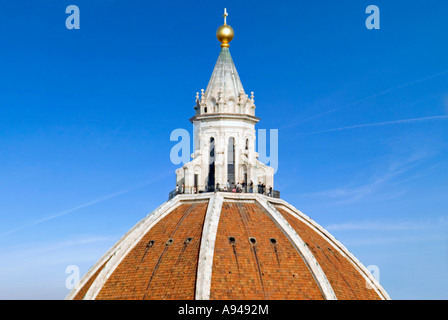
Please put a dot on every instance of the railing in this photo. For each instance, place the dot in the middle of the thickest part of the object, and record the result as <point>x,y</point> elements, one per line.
<point>172,194</point>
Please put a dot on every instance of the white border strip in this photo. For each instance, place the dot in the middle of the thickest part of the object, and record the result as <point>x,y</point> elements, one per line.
<point>306,254</point>
<point>207,249</point>
<point>120,250</point>
<point>370,279</point>
<point>127,245</point>
<point>116,247</point>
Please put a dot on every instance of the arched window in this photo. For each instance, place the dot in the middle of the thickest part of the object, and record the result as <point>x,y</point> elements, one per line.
<point>231,160</point>
<point>211,169</point>
<point>247,144</point>
<point>231,106</point>
<point>214,106</point>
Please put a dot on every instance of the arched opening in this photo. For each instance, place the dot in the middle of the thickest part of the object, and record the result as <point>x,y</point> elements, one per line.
<point>196,179</point>
<point>214,106</point>
<point>244,175</point>
<point>261,175</point>
<point>211,169</point>
<point>231,106</point>
<point>231,161</point>
<point>247,144</point>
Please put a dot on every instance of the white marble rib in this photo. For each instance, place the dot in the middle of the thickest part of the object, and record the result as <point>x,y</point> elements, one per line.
<point>207,249</point>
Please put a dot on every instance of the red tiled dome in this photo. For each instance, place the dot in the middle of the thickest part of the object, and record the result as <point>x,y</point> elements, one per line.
<point>222,246</point>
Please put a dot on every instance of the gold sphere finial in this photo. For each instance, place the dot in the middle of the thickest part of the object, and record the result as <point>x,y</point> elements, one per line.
<point>225,32</point>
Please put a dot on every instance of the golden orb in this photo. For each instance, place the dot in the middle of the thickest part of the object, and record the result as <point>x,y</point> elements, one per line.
<point>225,35</point>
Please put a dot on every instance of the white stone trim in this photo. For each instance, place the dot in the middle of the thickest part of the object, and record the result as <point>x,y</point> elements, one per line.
<point>307,256</point>
<point>203,282</point>
<point>240,200</point>
<point>128,242</point>
<point>117,247</point>
<point>207,249</point>
<point>370,279</point>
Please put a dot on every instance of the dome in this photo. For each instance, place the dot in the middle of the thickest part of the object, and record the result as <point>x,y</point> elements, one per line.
<point>206,244</point>
<point>228,246</point>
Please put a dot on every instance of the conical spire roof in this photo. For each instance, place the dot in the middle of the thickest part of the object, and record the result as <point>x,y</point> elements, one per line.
<point>224,77</point>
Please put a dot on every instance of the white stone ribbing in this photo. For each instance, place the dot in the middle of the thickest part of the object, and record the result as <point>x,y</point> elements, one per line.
<point>119,246</point>
<point>207,249</point>
<point>307,256</point>
<point>128,243</point>
<point>370,279</point>
<point>119,251</point>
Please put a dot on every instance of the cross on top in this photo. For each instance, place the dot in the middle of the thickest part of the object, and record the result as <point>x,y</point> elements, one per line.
<point>225,16</point>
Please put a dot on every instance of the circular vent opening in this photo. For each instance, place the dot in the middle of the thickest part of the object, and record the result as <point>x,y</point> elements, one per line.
<point>150,244</point>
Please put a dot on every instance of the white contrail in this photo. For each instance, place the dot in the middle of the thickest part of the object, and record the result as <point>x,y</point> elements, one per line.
<point>87,204</point>
<point>369,98</point>
<point>443,117</point>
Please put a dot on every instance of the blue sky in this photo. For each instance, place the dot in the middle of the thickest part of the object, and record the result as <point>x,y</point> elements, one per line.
<point>86,117</point>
